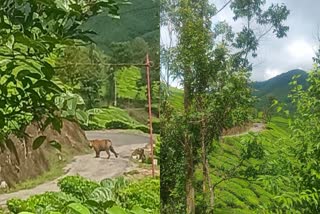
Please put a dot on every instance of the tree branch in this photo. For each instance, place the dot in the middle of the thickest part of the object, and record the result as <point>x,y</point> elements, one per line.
<point>265,33</point>
<point>226,4</point>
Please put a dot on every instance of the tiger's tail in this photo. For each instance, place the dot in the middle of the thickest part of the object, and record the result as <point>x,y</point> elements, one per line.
<point>113,151</point>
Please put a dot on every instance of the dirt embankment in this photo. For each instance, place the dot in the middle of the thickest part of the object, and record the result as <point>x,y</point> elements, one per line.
<point>31,163</point>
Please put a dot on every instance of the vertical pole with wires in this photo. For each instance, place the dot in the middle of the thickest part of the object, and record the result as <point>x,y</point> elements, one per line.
<point>149,108</point>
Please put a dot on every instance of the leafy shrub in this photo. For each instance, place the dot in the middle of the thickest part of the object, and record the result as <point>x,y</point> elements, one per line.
<point>142,128</point>
<point>77,186</point>
<point>36,203</point>
<point>154,109</point>
<point>91,126</point>
<point>118,124</point>
<point>84,196</point>
<point>144,193</point>
<point>157,147</point>
<point>156,126</point>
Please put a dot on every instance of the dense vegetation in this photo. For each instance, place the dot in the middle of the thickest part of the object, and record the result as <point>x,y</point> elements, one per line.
<point>79,195</point>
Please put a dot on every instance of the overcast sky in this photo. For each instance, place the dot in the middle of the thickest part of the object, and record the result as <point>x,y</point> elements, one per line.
<point>276,56</point>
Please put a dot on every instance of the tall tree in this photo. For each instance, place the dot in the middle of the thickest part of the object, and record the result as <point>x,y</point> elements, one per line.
<point>214,67</point>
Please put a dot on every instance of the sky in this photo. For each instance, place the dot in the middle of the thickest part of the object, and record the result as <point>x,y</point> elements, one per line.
<point>276,56</point>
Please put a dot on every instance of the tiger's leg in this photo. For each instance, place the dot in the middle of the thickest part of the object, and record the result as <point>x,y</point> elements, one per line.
<point>113,151</point>
<point>108,152</point>
<point>97,152</point>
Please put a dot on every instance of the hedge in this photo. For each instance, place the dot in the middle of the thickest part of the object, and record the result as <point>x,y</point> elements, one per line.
<point>118,124</point>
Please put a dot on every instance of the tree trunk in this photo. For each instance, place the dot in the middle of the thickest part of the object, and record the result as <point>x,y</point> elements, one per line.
<point>190,193</point>
<point>210,187</point>
<point>203,157</point>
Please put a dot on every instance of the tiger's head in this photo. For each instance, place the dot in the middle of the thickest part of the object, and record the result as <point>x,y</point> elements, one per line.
<point>90,144</point>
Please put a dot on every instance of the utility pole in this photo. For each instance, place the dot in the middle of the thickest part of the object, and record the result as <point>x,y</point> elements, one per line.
<point>149,108</point>
<point>115,89</point>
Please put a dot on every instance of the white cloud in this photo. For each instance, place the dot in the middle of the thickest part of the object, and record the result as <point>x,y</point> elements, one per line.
<point>300,50</point>
<point>269,73</point>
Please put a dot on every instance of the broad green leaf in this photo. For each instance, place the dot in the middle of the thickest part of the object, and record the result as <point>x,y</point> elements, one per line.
<point>2,120</point>
<point>116,210</point>
<point>138,210</point>
<point>47,70</point>
<point>279,109</point>
<point>38,142</point>
<point>23,73</point>
<point>55,145</point>
<point>10,41</point>
<point>78,208</point>
<point>57,124</point>
<point>82,116</point>
<point>72,103</point>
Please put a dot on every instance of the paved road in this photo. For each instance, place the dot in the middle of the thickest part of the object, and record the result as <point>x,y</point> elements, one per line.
<point>256,127</point>
<point>90,167</point>
<point>118,138</point>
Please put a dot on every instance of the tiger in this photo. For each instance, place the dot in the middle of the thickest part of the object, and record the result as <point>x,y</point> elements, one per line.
<point>103,145</point>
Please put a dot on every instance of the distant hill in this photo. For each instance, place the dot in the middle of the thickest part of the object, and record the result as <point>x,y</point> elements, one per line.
<point>139,19</point>
<point>278,87</point>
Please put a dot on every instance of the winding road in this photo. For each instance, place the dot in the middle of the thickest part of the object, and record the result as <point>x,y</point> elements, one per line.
<point>256,127</point>
<point>90,167</point>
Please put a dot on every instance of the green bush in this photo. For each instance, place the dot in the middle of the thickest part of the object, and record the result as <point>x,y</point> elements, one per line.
<point>144,193</point>
<point>77,186</point>
<point>156,126</point>
<point>142,128</point>
<point>81,195</point>
<point>157,148</point>
<point>118,124</point>
<point>91,126</point>
<point>36,203</point>
<point>154,108</point>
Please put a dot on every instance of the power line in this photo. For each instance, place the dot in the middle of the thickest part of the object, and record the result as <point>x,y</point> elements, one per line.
<point>111,64</point>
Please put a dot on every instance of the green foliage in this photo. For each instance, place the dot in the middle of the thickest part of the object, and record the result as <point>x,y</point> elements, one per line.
<point>143,193</point>
<point>301,161</point>
<point>156,125</point>
<point>83,196</point>
<point>132,36</point>
<point>128,84</point>
<point>77,186</point>
<point>113,118</point>
<point>80,68</point>
<point>30,40</point>
<point>172,190</point>
<point>157,147</point>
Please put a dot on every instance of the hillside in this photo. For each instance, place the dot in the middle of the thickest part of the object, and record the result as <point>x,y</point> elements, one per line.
<point>139,19</point>
<point>240,195</point>
<point>277,87</point>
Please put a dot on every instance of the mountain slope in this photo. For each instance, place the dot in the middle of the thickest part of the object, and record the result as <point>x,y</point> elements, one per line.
<point>139,19</point>
<point>277,87</point>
